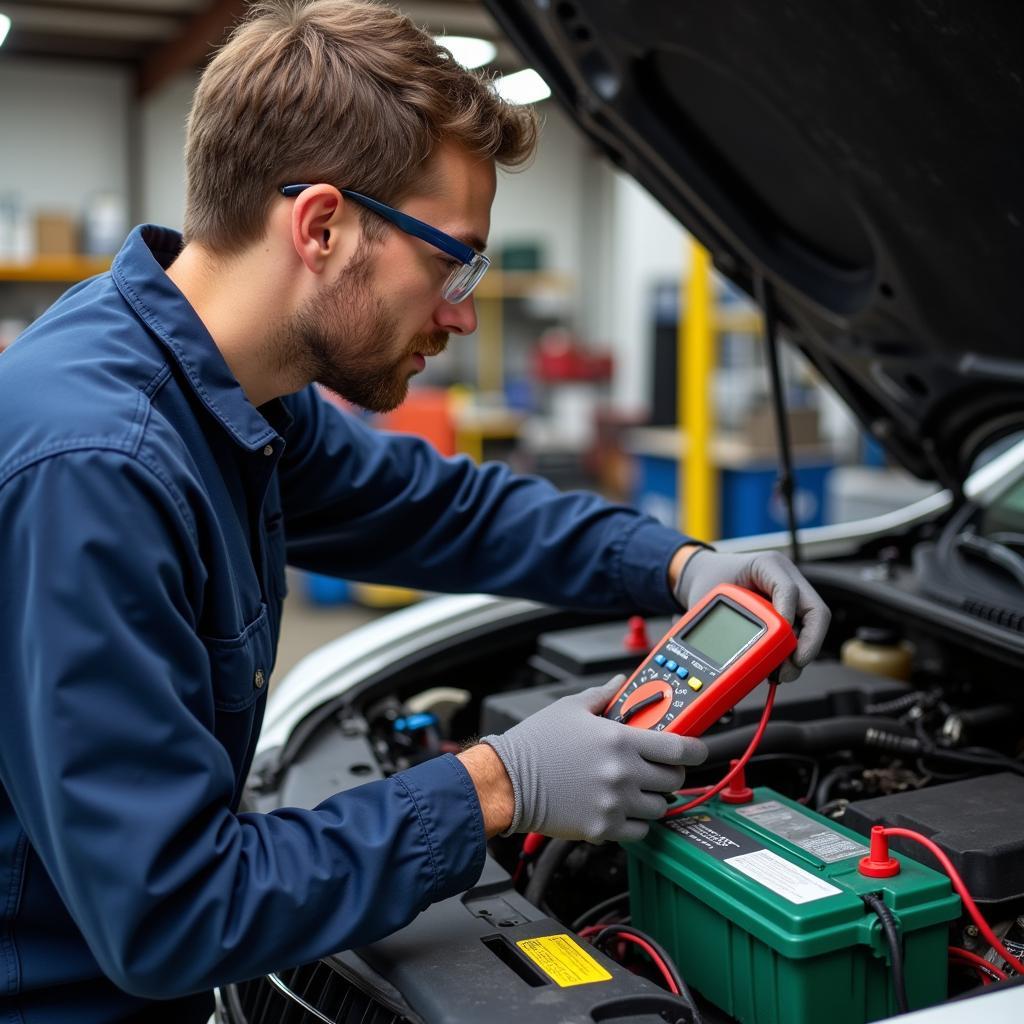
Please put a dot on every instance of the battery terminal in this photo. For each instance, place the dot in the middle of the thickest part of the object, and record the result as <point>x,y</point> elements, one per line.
<point>878,863</point>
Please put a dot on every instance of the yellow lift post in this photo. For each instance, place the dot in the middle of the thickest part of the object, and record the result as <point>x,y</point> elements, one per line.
<point>697,484</point>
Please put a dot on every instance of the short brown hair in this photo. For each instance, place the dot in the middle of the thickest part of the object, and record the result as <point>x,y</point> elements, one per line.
<point>348,92</point>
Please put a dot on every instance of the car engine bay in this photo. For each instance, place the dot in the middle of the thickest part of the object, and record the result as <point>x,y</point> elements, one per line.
<point>913,717</point>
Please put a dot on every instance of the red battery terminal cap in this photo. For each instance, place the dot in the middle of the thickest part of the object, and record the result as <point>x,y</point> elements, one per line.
<point>636,636</point>
<point>878,863</point>
<point>737,792</point>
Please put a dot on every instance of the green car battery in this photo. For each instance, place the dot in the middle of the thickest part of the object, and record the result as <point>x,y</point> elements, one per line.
<point>759,905</point>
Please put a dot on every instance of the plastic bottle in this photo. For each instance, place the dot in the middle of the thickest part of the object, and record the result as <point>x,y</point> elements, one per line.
<point>878,651</point>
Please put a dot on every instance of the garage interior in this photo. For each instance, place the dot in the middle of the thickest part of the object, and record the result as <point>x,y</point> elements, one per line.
<point>842,381</point>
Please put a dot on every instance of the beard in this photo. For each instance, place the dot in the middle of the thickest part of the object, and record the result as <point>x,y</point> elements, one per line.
<point>345,339</point>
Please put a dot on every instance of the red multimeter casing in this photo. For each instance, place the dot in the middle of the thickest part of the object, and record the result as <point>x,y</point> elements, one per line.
<point>711,658</point>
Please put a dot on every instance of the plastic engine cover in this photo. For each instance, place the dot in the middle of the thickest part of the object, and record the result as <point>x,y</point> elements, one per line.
<point>979,823</point>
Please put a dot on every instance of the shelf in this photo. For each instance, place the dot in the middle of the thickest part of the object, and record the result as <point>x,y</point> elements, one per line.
<point>55,269</point>
<point>517,284</point>
<point>729,450</point>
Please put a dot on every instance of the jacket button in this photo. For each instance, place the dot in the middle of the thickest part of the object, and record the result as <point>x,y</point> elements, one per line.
<point>258,679</point>
<point>269,450</point>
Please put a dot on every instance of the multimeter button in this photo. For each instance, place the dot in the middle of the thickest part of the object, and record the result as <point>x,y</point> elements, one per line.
<point>695,684</point>
<point>671,666</point>
<point>682,673</point>
<point>660,659</point>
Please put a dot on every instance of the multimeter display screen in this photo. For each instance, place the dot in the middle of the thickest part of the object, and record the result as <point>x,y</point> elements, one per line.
<point>722,633</point>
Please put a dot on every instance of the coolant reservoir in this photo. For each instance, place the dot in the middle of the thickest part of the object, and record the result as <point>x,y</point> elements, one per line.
<point>878,651</point>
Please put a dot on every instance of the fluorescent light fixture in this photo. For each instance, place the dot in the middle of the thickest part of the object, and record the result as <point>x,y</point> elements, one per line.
<point>522,87</point>
<point>469,51</point>
<point>5,27</point>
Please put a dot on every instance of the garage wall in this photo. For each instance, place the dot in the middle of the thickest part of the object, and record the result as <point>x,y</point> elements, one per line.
<point>64,132</point>
<point>162,151</point>
<point>542,203</point>
<point>648,247</point>
<point>77,130</point>
<point>629,248</point>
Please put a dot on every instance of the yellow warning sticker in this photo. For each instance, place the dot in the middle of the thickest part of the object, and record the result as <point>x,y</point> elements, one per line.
<point>563,960</point>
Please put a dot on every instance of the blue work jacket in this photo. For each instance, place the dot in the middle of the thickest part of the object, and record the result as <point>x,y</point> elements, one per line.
<point>147,511</point>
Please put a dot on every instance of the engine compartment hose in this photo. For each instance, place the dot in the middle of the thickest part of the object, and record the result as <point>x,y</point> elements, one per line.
<point>818,736</point>
<point>552,857</point>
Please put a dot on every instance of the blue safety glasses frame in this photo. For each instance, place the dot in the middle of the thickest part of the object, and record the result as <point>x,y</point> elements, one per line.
<point>461,281</point>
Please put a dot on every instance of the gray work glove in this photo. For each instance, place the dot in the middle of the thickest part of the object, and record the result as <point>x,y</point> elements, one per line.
<point>577,775</point>
<point>772,574</point>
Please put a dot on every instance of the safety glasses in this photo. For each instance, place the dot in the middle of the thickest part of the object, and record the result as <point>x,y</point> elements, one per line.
<point>462,279</point>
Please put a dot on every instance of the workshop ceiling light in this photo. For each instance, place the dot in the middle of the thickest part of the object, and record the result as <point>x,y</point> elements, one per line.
<point>5,27</point>
<point>469,51</point>
<point>522,87</point>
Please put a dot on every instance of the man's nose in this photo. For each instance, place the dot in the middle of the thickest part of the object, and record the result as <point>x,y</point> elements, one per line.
<point>457,317</point>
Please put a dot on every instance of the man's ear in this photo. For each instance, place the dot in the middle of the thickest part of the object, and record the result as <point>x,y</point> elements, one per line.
<point>317,216</point>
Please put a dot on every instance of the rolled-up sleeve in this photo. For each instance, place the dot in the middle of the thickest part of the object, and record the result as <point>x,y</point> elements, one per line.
<point>108,754</point>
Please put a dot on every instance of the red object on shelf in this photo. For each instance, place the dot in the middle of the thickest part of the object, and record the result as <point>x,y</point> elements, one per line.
<point>737,792</point>
<point>560,357</point>
<point>878,863</point>
<point>636,636</point>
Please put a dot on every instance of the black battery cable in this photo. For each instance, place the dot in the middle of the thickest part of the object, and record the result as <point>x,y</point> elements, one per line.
<point>880,835</point>
<point>596,912</point>
<point>660,958</point>
<point>890,930</point>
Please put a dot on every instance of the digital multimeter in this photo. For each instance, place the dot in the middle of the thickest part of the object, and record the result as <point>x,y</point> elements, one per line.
<point>711,658</point>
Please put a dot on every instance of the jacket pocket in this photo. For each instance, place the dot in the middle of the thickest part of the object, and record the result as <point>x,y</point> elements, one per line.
<point>240,666</point>
<point>276,556</point>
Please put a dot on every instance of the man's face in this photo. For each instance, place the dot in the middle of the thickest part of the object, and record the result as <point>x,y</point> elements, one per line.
<point>367,333</point>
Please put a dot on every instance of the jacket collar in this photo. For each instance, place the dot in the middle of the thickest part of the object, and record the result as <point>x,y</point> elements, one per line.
<point>138,272</point>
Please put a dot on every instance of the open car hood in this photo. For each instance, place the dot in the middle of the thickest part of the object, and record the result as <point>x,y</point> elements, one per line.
<point>865,158</point>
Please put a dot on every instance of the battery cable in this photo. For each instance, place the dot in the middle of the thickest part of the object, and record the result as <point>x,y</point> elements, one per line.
<point>890,929</point>
<point>662,961</point>
<point>706,793</point>
<point>984,967</point>
<point>958,884</point>
<point>648,945</point>
<point>599,910</point>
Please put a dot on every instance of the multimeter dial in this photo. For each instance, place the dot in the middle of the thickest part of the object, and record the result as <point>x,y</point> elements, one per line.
<point>651,700</point>
<point>712,657</point>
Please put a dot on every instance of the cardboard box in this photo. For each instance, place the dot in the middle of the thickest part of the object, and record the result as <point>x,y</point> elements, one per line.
<point>56,234</point>
<point>759,429</point>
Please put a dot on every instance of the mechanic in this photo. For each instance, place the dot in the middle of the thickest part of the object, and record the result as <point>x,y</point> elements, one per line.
<point>165,453</point>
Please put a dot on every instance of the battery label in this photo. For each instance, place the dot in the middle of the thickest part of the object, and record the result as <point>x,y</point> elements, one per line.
<point>784,879</point>
<point>803,831</point>
<point>750,857</point>
<point>712,836</point>
<point>564,961</point>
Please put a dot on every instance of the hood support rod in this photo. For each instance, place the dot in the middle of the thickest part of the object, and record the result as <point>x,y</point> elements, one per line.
<point>785,485</point>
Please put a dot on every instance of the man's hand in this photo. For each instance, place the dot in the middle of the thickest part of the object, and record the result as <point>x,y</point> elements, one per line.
<point>576,775</point>
<point>774,575</point>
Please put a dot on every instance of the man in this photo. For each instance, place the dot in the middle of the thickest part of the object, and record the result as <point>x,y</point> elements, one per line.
<point>164,454</point>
